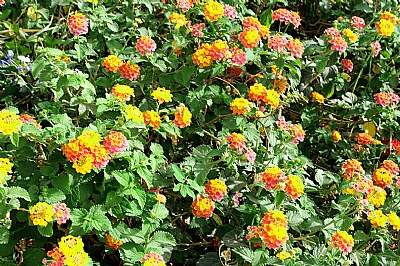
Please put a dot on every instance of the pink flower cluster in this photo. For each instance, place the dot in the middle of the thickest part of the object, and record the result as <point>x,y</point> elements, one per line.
<point>196,29</point>
<point>115,142</point>
<point>376,48</point>
<point>297,131</point>
<point>238,56</point>
<point>357,23</point>
<point>78,24</point>
<point>230,12</point>
<point>146,45</point>
<point>347,65</point>
<point>62,212</point>
<point>387,99</point>
<point>287,16</point>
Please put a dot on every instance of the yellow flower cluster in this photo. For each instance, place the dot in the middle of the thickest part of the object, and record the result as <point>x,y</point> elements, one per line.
<point>318,97</point>
<point>72,248</point>
<point>9,122</point>
<point>133,113</point>
<point>240,106</point>
<point>41,214</point>
<point>377,218</point>
<point>5,168</point>
<point>162,95</point>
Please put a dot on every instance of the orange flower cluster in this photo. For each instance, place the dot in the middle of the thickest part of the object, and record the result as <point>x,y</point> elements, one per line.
<point>86,152</point>
<point>78,24</point>
<point>294,186</point>
<point>202,56</point>
<point>273,229</point>
<point>350,168</point>
<point>385,26</point>
<point>152,118</point>
<point>183,117</point>
<point>336,136</point>
<point>287,17</point>
<point>278,43</point>
<point>216,189</point>
<point>217,51</point>
<point>318,97</point>
<point>364,139</point>
<point>213,10</point>
<point>112,63</point>
<point>112,242</point>
<point>296,47</point>
<point>237,141</point>
<point>129,71</point>
<point>343,241</point>
<point>382,177</point>
<point>203,207</point>
<point>240,106</point>
<point>391,166</point>
<point>146,45</point>
<point>350,34</point>
<point>272,176</point>
<point>122,93</point>
<point>252,32</point>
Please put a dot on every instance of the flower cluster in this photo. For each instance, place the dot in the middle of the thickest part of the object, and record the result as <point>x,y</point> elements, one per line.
<point>258,92</point>
<point>152,118</point>
<point>394,220</point>
<point>237,141</point>
<point>297,131</point>
<point>252,32</point>
<point>240,106</point>
<point>336,136</point>
<point>387,99</point>
<point>382,177</point>
<point>78,24</point>
<point>112,63</point>
<point>287,17</point>
<point>153,259</point>
<point>316,96</point>
<point>183,117</point>
<point>26,118</point>
<point>357,23</point>
<point>146,45</point>
<point>113,243</point>
<point>294,186</point>
<point>385,26</point>
<point>69,252</point>
<point>5,168</point>
<point>347,65</point>
<point>178,19</point>
<point>216,189</point>
<point>351,167</point>
<point>213,10</point>
<point>162,95</point>
<point>86,152</point>
<point>43,213</point>
<point>272,176</point>
<point>343,241</point>
<point>377,218</point>
<point>219,50</point>
<point>122,93</point>
<point>273,229</point>
<point>115,142</point>
<point>365,139</point>
<point>9,122</point>
<point>127,70</point>
<point>203,207</point>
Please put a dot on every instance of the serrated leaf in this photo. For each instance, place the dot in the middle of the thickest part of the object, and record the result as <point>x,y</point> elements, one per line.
<point>46,231</point>
<point>14,138</point>
<point>18,192</point>
<point>122,177</point>
<point>245,253</point>
<point>54,195</point>
<point>101,222</point>
<point>146,175</point>
<point>162,238</point>
<point>178,173</point>
<point>139,194</point>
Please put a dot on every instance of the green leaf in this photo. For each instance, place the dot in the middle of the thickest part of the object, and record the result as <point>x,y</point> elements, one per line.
<point>14,138</point>
<point>62,182</point>
<point>101,222</point>
<point>159,211</point>
<point>161,239</point>
<point>245,253</point>
<point>131,252</point>
<point>183,76</point>
<point>124,178</point>
<point>139,194</point>
<point>146,175</point>
<point>178,173</point>
<point>4,234</point>
<point>46,231</point>
<point>156,149</point>
<point>38,66</point>
<point>18,192</point>
<point>54,195</point>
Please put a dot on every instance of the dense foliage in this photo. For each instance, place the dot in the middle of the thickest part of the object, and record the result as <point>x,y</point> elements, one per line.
<point>196,132</point>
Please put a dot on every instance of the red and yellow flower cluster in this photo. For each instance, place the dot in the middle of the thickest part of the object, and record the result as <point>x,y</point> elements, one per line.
<point>69,252</point>
<point>43,213</point>
<point>127,70</point>
<point>386,24</point>
<point>386,99</point>
<point>343,241</point>
<point>272,230</point>
<point>274,178</point>
<point>86,152</point>
<point>203,207</point>
<point>122,93</point>
<point>146,45</point>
